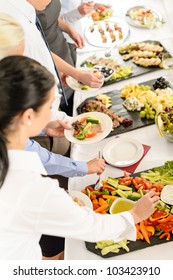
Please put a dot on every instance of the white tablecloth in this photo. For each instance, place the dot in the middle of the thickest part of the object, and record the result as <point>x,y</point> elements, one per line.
<point>160,151</point>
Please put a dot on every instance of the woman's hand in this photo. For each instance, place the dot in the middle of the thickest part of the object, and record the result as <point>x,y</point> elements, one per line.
<point>56,128</point>
<point>144,207</point>
<point>77,38</point>
<point>90,79</point>
<point>86,8</point>
<point>96,165</point>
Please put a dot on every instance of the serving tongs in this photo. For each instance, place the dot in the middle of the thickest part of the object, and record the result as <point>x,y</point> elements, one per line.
<point>97,185</point>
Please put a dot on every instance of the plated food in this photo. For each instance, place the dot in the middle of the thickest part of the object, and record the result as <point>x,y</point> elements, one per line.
<point>76,85</point>
<point>102,13</point>
<point>106,33</point>
<point>89,128</point>
<point>80,198</point>
<point>144,16</point>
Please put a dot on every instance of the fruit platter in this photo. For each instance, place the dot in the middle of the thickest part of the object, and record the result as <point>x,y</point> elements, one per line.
<point>157,229</point>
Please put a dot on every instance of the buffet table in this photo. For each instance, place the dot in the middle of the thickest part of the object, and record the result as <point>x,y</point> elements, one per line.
<point>160,150</point>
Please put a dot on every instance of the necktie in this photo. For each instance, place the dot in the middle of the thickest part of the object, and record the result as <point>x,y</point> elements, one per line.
<point>39,27</point>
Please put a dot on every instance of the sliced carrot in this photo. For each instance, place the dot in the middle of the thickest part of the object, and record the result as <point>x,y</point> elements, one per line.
<point>144,232</point>
<point>91,134</point>
<point>83,120</point>
<point>101,201</point>
<point>138,233</point>
<point>102,208</point>
<point>95,201</point>
<point>103,212</point>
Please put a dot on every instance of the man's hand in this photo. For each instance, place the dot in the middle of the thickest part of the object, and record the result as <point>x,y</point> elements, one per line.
<point>56,128</point>
<point>96,165</point>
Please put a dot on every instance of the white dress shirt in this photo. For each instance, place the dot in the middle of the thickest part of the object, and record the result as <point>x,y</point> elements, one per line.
<point>31,205</point>
<point>35,46</point>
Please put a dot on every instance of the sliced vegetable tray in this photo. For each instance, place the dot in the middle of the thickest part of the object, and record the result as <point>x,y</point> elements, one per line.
<point>132,245</point>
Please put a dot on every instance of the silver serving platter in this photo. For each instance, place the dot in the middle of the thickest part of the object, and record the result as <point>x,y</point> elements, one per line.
<point>158,17</point>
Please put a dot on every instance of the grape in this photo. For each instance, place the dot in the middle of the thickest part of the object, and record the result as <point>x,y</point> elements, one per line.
<point>148,112</point>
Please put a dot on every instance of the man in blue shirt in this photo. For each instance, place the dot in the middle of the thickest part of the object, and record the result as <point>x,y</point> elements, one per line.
<point>56,164</point>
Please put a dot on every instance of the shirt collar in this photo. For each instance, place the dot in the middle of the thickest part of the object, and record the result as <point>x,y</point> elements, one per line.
<point>25,160</point>
<point>25,8</point>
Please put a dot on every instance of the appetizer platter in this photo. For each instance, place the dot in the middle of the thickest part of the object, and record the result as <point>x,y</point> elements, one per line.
<point>131,60</point>
<point>102,13</point>
<point>144,17</point>
<point>130,107</point>
<point>107,33</point>
<point>155,230</point>
<point>89,128</point>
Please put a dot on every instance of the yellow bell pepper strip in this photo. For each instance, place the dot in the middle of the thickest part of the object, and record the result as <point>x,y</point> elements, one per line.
<point>107,187</point>
<point>106,196</point>
<point>150,229</point>
<point>165,234</point>
<point>158,214</point>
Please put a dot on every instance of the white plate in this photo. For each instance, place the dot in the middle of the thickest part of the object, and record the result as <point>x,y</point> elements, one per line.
<point>74,84</point>
<point>167,194</point>
<point>82,197</point>
<point>157,16</point>
<point>122,152</point>
<point>106,123</point>
<point>94,38</point>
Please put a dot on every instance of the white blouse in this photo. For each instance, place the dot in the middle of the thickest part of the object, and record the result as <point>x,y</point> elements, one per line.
<point>31,205</point>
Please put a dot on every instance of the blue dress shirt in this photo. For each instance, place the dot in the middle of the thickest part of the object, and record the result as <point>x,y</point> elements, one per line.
<point>57,164</point>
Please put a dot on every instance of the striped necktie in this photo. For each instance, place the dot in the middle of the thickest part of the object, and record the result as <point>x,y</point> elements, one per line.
<point>39,27</point>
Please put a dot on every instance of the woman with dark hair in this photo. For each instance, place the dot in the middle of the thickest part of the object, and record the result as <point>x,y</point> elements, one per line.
<point>30,204</point>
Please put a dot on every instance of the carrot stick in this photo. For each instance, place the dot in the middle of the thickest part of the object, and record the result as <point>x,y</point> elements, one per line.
<point>109,196</point>
<point>102,208</point>
<point>144,232</point>
<point>139,234</point>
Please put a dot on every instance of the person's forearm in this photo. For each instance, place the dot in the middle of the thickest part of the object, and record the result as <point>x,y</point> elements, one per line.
<point>72,16</point>
<point>66,68</point>
<point>64,26</point>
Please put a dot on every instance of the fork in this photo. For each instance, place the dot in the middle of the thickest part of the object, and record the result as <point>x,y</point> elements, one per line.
<point>98,182</point>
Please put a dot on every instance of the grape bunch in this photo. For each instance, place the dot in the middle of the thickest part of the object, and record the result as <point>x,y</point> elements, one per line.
<point>148,112</point>
<point>161,83</point>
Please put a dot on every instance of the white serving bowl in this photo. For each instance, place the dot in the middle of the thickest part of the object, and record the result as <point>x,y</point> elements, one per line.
<point>121,205</point>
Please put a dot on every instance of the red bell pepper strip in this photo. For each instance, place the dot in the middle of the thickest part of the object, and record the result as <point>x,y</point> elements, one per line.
<point>165,234</point>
